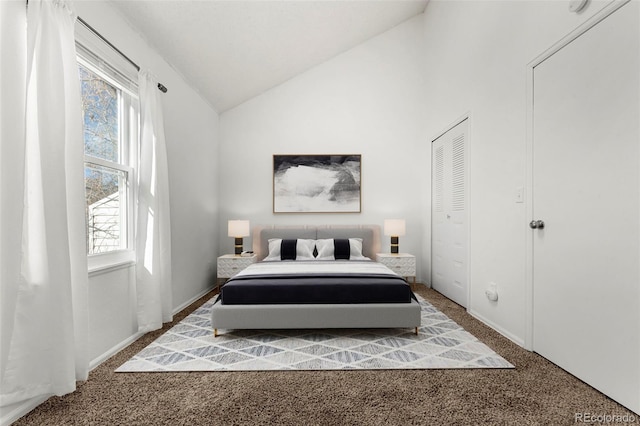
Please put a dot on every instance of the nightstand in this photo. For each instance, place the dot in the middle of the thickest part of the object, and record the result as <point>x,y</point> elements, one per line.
<point>403,264</point>
<point>230,264</point>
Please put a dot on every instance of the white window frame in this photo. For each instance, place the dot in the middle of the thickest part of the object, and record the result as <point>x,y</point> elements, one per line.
<point>93,54</point>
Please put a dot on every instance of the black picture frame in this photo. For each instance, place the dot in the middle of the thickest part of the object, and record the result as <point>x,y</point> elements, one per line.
<point>317,183</point>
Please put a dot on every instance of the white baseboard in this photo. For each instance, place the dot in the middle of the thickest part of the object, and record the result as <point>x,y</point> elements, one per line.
<point>117,348</point>
<point>515,339</point>
<point>114,350</point>
<point>13,413</point>
<point>22,409</point>
<point>16,411</point>
<point>193,299</point>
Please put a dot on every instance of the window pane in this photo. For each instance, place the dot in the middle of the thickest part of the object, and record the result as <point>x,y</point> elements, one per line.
<point>100,112</point>
<point>105,191</point>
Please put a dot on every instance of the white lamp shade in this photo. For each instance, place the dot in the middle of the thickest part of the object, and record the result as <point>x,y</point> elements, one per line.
<point>238,228</point>
<point>394,227</point>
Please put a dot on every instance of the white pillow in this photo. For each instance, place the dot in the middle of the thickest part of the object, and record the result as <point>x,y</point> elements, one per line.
<point>326,249</point>
<point>304,249</point>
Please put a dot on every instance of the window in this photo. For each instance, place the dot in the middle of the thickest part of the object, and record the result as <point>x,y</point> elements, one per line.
<point>110,128</point>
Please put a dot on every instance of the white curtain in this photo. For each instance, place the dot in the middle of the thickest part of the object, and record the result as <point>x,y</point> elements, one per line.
<point>153,231</point>
<point>46,335</point>
<point>13,42</point>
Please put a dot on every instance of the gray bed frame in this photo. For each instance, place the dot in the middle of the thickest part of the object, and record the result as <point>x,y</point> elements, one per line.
<point>304,316</point>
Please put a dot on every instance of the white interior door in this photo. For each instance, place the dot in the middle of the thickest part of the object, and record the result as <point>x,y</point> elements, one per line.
<point>586,189</point>
<point>449,214</point>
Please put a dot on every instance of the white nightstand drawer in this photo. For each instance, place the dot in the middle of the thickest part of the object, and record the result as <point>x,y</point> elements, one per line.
<point>230,264</point>
<point>403,264</point>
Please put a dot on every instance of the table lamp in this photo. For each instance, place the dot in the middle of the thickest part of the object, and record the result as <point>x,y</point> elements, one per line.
<point>238,229</point>
<point>394,228</point>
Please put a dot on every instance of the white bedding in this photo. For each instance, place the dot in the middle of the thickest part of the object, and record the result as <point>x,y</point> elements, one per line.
<point>316,266</point>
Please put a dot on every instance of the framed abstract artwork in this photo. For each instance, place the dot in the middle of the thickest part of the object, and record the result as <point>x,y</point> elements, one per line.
<point>317,183</point>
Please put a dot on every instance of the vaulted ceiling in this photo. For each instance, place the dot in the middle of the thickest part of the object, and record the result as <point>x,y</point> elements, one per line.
<point>233,50</point>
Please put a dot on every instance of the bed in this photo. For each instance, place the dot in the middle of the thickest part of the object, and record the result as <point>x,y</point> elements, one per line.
<point>316,277</point>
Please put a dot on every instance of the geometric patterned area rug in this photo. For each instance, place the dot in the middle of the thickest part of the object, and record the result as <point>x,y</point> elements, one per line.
<point>190,346</point>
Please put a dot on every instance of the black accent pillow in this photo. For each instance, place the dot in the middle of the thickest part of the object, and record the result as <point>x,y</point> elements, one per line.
<point>341,248</point>
<point>288,249</point>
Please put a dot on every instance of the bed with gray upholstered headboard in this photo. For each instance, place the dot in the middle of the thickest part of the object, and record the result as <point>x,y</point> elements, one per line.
<point>316,277</point>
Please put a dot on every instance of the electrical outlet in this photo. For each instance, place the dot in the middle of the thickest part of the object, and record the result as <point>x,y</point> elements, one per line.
<point>492,292</point>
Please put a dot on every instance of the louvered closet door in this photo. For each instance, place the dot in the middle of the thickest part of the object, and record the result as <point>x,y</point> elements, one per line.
<point>449,214</point>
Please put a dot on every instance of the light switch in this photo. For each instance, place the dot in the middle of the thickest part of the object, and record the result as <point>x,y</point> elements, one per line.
<point>520,194</point>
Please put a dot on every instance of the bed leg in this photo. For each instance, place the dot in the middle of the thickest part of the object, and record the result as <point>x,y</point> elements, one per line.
<point>416,331</point>
<point>215,332</point>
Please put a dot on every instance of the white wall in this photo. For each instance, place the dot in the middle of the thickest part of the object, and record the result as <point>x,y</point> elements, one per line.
<point>475,56</point>
<point>387,101</point>
<point>368,100</point>
<point>191,127</point>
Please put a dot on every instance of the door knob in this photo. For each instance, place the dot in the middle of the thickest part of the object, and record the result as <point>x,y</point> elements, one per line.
<point>536,224</point>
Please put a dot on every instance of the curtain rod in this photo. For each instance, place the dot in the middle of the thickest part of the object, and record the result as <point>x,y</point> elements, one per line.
<point>161,86</point>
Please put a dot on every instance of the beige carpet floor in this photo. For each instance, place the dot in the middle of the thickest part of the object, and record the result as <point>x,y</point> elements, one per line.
<point>536,392</point>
